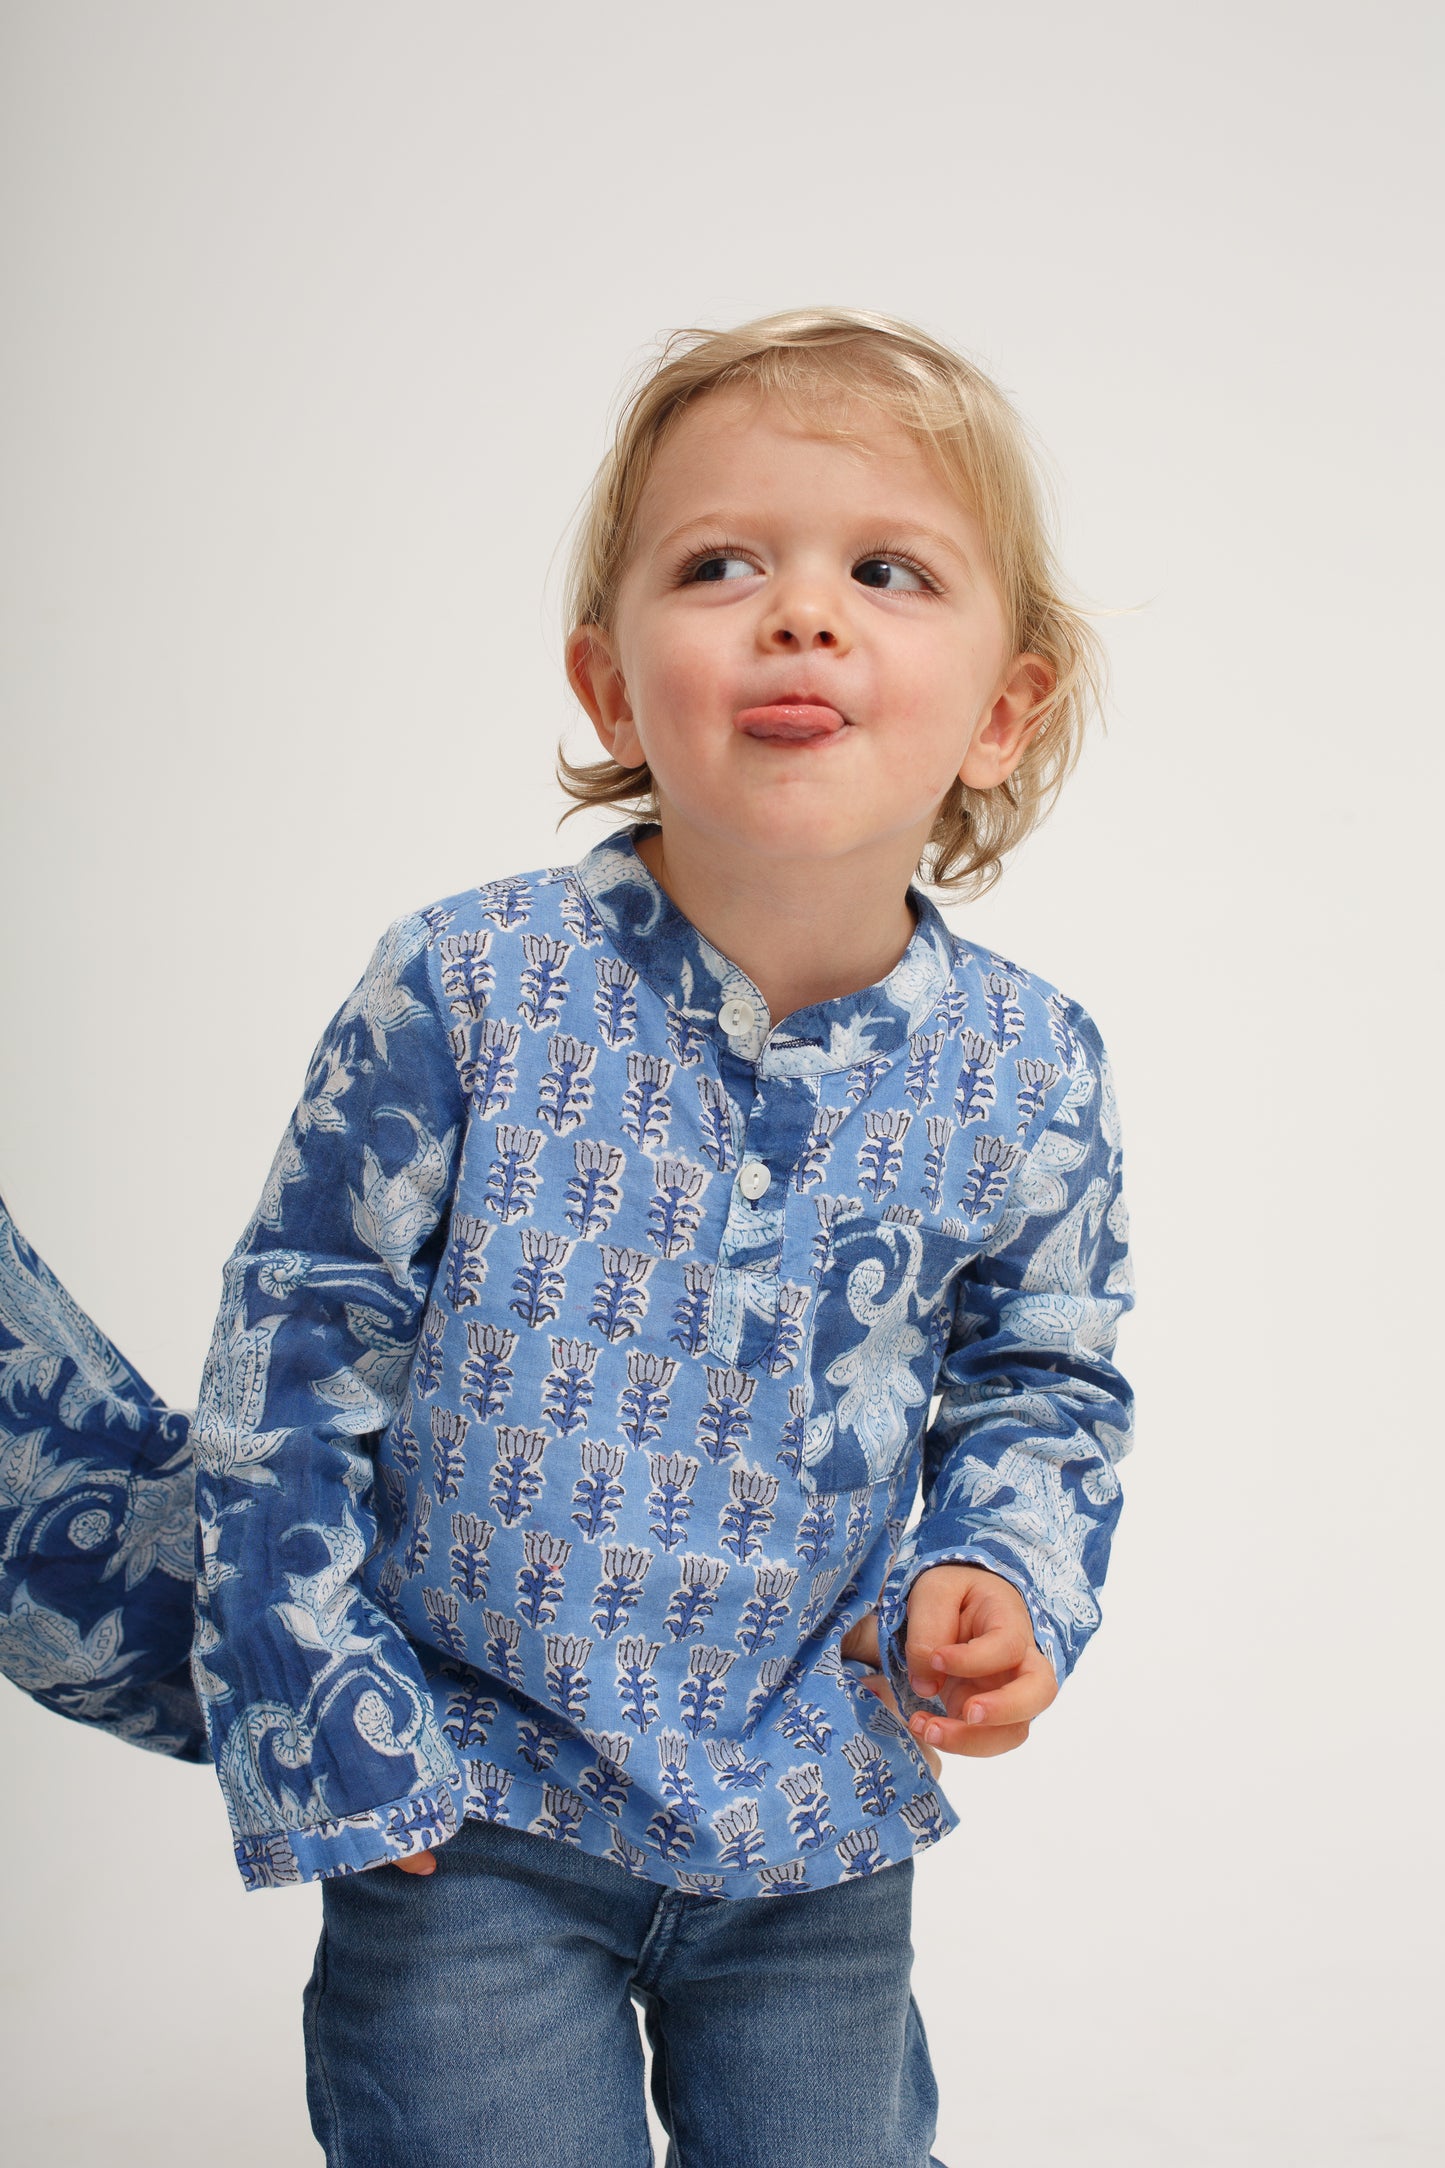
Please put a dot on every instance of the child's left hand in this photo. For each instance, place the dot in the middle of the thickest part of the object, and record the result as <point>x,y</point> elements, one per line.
<point>971,1643</point>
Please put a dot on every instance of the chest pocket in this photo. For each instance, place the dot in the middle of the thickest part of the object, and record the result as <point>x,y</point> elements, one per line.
<point>879,1325</point>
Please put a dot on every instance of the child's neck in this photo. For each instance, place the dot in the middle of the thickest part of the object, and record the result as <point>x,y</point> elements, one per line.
<point>803,933</point>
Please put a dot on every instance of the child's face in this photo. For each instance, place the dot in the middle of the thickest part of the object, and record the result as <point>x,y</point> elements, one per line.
<point>809,644</point>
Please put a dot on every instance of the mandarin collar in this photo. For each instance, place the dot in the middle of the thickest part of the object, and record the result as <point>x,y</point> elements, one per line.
<point>701,984</point>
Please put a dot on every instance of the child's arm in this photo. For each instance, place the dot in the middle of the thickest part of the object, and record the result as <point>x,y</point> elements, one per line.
<point>326,1741</point>
<point>998,1583</point>
<point>96,1521</point>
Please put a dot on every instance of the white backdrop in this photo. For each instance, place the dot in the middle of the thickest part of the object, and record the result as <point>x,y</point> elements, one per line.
<point>315,316</point>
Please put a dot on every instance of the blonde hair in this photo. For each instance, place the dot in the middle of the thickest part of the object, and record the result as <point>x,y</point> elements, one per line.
<point>839,358</point>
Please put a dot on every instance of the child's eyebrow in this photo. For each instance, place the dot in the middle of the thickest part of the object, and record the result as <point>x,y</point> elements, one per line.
<point>906,531</point>
<point>694,519</point>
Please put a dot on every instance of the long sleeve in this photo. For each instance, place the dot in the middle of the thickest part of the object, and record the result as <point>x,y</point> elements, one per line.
<point>327,1745</point>
<point>1019,1463</point>
<point>96,1521</point>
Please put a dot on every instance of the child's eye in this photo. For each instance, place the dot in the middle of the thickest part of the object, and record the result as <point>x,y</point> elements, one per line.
<point>719,566</point>
<point>877,571</point>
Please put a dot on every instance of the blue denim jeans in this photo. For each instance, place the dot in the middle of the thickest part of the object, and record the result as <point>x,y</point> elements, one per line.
<point>481,2017</point>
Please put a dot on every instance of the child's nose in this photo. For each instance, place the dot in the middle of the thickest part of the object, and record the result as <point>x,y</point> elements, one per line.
<point>802,623</point>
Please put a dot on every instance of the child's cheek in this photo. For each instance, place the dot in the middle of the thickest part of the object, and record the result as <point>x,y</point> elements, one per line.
<point>682,696</point>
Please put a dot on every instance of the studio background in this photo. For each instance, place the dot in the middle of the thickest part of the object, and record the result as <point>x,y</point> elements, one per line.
<point>314,318</point>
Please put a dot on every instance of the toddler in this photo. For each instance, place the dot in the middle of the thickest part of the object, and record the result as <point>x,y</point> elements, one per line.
<point>649,1232</point>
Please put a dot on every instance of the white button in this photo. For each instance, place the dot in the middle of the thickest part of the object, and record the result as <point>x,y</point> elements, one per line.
<point>754,1178</point>
<point>737,1017</point>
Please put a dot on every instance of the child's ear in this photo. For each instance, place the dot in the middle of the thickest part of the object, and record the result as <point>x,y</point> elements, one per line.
<point>1002,734</point>
<point>595,678</point>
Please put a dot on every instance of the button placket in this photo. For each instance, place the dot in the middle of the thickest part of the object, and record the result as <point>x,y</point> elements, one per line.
<point>754,1179</point>
<point>745,1026</point>
<point>738,1017</point>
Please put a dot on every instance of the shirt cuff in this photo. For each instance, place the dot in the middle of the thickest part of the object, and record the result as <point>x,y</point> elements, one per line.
<point>350,1843</point>
<point>893,1620</point>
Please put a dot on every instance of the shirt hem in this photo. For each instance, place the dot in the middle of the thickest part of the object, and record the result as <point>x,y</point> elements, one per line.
<point>838,1856</point>
<point>419,1821</point>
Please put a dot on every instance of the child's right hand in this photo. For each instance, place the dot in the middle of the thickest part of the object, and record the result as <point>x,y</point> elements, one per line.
<point>417,1863</point>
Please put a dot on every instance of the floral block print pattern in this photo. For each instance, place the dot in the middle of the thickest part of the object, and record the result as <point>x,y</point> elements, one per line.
<point>97,1521</point>
<point>577,1374</point>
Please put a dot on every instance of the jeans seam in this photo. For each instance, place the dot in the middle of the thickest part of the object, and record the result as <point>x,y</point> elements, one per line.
<point>674,2135</point>
<point>657,1942</point>
<point>674,2142</point>
<point>325,2074</point>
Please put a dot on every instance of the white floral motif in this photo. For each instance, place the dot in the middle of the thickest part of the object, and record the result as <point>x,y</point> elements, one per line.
<point>42,1648</point>
<point>381,1002</point>
<point>617,866</point>
<point>318,1108</point>
<point>878,1374</point>
<point>1039,1523</point>
<point>915,980</point>
<point>394,1211</point>
<point>225,1437</point>
<point>319,1613</point>
<point>159,1527</point>
<point>285,1167</point>
<point>51,1329</point>
<point>1059,1304</point>
<point>367,1393</point>
<point>29,1475</point>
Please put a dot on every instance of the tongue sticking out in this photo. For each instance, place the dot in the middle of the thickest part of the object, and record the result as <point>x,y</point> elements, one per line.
<point>791,722</point>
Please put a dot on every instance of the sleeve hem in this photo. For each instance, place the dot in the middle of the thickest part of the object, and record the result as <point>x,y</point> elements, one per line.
<point>352,1843</point>
<point>893,1619</point>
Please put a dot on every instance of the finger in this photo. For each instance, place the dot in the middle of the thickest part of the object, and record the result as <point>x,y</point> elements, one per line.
<point>860,1643</point>
<point>955,1694</point>
<point>1016,1700</point>
<point>978,1741</point>
<point>875,1683</point>
<point>418,1863</point>
<point>933,1622</point>
<point>999,1648</point>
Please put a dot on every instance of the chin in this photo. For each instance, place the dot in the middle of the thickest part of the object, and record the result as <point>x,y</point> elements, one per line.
<point>799,832</point>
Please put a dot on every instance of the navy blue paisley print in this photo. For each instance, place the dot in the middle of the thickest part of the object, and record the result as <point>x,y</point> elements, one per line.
<point>97,1521</point>
<point>572,1385</point>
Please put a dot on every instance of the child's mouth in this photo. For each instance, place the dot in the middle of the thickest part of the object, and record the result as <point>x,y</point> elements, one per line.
<point>792,722</point>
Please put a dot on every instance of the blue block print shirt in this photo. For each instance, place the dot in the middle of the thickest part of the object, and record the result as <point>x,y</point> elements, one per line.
<point>571,1390</point>
<point>97,1521</point>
